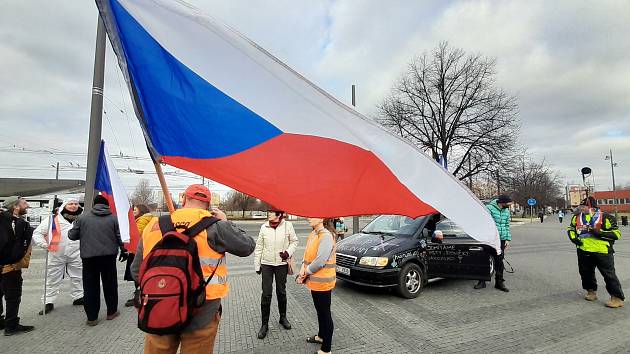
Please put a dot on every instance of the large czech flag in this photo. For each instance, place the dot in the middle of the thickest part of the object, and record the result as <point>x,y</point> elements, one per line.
<point>213,102</point>
<point>110,186</point>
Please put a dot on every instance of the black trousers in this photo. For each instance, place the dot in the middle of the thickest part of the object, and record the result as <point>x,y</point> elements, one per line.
<point>498,264</point>
<point>321,300</point>
<point>11,289</point>
<point>95,270</point>
<point>268,274</point>
<point>588,261</point>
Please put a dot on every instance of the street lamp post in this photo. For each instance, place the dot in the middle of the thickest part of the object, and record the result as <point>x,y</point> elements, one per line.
<point>612,171</point>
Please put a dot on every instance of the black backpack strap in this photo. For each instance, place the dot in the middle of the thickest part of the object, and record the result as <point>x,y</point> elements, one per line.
<point>207,281</point>
<point>201,225</point>
<point>166,224</point>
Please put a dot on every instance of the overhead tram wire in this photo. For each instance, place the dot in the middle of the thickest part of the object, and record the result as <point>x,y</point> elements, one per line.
<point>62,153</point>
<point>118,73</point>
<point>23,150</point>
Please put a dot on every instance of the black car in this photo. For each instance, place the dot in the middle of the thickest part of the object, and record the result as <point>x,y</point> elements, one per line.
<point>402,253</point>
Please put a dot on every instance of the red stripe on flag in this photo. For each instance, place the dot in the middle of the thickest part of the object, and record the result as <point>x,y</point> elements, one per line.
<point>134,234</point>
<point>312,176</point>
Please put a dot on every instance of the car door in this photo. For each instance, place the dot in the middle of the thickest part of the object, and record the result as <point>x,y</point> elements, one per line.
<point>441,256</point>
<point>471,259</point>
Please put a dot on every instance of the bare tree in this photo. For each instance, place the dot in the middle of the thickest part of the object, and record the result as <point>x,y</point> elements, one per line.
<point>532,179</point>
<point>239,201</point>
<point>448,105</point>
<point>143,194</point>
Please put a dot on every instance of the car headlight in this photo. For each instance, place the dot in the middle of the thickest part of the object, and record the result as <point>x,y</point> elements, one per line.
<point>374,261</point>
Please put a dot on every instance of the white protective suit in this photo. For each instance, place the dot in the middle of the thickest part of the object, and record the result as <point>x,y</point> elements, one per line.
<point>66,258</point>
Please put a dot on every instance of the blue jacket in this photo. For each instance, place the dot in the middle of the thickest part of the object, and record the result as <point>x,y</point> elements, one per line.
<point>501,219</point>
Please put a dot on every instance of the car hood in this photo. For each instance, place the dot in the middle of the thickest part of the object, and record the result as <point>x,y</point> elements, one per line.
<point>361,244</point>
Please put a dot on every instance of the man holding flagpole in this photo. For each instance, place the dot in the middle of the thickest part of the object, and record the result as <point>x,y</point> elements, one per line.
<point>52,235</point>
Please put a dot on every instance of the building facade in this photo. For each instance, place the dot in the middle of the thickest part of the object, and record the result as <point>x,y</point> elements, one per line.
<point>608,200</point>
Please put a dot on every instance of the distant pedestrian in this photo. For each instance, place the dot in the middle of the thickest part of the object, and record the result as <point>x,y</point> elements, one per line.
<point>340,228</point>
<point>99,236</point>
<point>318,273</point>
<point>560,215</point>
<point>143,216</point>
<point>15,255</point>
<point>594,233</point>
<point>541,215</point>
<point>500,211</point>
<point>63,254</point>
<point>212,243</point>
<point>276,243</point>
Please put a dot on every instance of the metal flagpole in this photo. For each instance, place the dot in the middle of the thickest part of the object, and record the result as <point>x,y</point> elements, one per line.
<point>355,219</point>
<point>46,279</point>
<point>96,114</point>
<point>47,252</point>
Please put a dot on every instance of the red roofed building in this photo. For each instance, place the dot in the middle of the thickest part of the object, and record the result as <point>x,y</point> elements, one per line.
<point>608,200</point>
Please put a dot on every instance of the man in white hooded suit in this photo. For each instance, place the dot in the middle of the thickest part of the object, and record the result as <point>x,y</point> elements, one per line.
<point>62,257</point>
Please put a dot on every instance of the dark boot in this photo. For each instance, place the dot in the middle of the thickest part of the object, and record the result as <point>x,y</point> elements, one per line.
<point>17,330</point>
<point>263,331</point>
<point>78,302</point>
<point>284,322</point>
<point>265,310</point>
<point>48,308</point>
<point>480,285</point>
<point>501,286</point>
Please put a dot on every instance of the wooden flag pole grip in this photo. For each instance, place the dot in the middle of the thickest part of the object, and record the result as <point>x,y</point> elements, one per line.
<point>165,192</point>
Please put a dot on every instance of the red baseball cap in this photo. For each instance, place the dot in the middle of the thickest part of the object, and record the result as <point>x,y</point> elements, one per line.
<point>199,192</point>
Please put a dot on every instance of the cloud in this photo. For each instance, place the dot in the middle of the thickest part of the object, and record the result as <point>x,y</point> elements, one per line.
<point>566,62</point>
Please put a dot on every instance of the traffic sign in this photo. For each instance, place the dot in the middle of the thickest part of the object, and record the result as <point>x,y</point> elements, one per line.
<point>531,201</point>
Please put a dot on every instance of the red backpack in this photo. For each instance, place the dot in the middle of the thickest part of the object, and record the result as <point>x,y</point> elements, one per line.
<point>172,285</point>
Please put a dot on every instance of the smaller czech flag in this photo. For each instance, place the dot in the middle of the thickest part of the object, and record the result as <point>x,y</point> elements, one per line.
<point>54,234</point>
<point>110,186</point>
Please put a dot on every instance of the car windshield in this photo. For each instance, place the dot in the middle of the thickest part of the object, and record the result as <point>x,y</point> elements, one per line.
<point>394,225</point>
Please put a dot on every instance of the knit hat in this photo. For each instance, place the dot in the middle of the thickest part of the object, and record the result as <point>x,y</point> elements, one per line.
<point>504,199</point>
<point>99,199</point>
<point>10,202</point>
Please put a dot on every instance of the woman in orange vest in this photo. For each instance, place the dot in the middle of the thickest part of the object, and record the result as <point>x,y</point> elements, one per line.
<point>318,274</point>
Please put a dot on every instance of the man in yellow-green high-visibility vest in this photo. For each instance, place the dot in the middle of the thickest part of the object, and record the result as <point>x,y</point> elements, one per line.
<point>594,233</point>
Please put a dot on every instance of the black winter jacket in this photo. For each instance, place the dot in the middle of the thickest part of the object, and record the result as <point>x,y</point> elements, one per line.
<point>13,245</point>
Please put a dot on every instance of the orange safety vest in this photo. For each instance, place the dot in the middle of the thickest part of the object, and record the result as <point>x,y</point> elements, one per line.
<point>209,258</point>
<point>325,278</point>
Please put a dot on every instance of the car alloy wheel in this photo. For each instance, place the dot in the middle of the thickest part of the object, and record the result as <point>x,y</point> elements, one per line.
<point>410,280</point>
<point>413,281</point>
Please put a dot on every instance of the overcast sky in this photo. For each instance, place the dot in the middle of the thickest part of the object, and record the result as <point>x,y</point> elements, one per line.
<point>566,61</point>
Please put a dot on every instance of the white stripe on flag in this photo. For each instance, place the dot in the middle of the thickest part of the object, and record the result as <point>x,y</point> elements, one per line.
<point>120,199</point>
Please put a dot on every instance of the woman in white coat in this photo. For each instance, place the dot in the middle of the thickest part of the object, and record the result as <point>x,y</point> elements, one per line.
<point>62,254</point>
<point>276,243</point>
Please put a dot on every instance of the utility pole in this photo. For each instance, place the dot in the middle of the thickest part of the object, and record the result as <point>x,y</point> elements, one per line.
<point>96,114</point>
<point>355,219</point>
<point>56,179</point>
